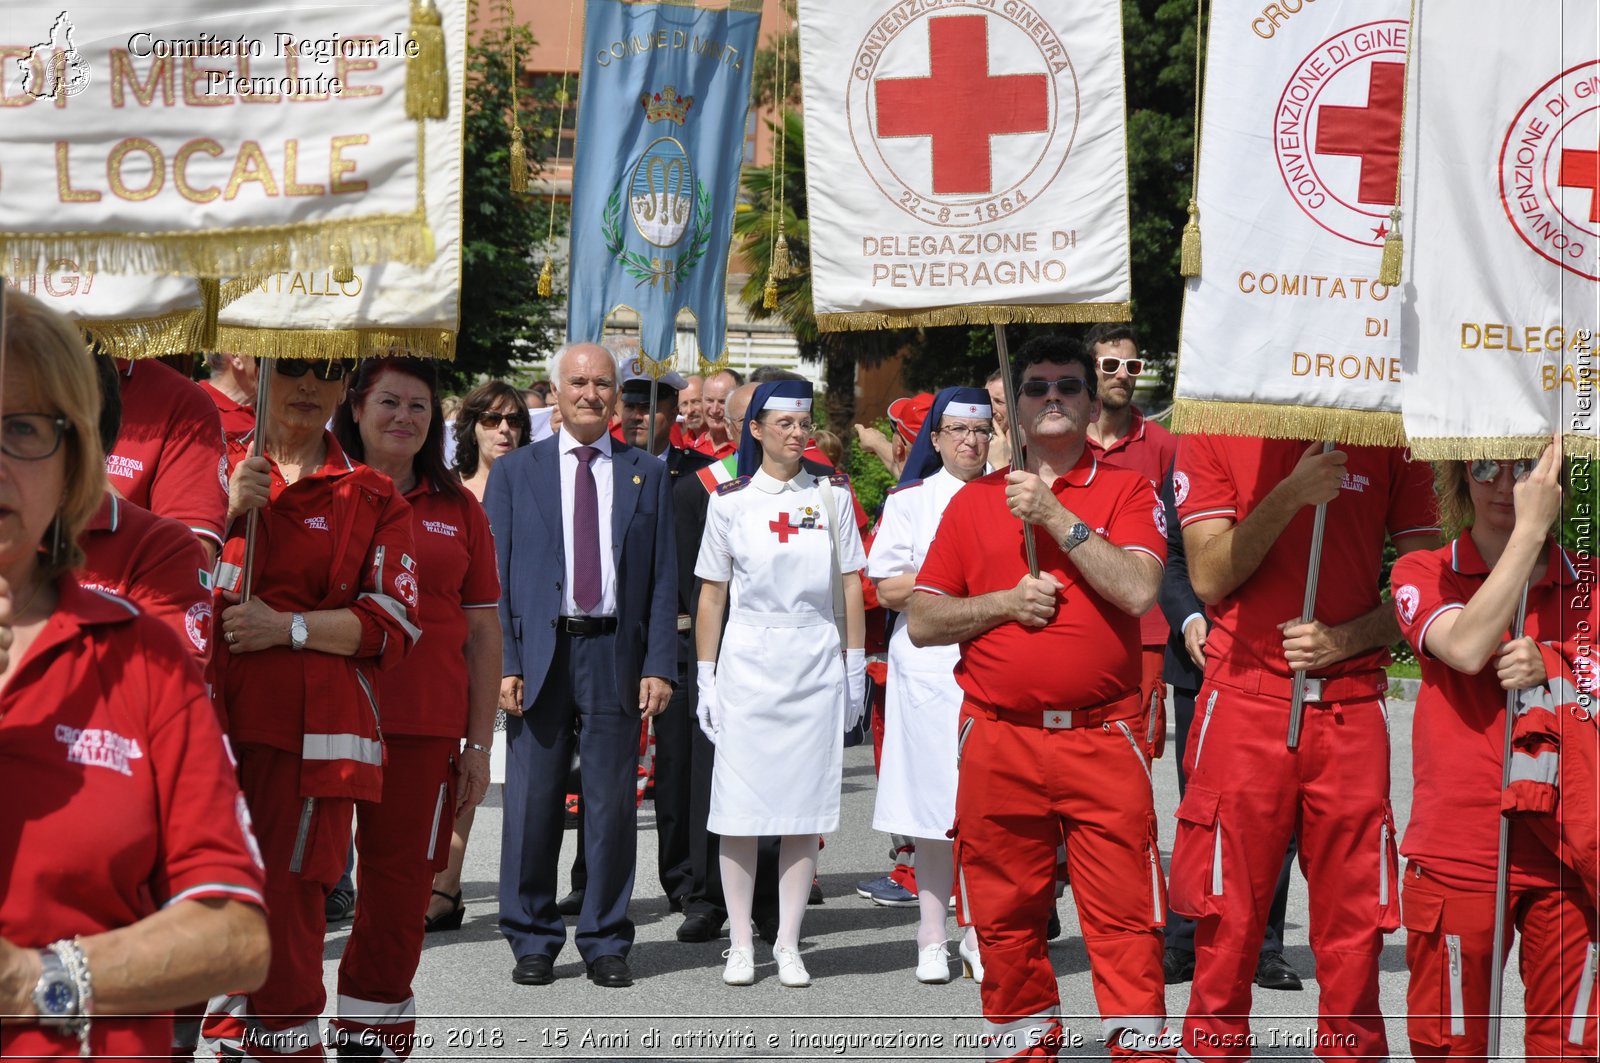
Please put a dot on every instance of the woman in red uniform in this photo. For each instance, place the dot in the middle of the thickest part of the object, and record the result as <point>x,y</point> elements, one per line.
<point>443,694</point>
<point>334,599</point>
<point>1456,607</point>
<point>129,882</point>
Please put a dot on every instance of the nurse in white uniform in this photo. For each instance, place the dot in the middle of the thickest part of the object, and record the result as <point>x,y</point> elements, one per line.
<point>917,777</point>
<point>777,698</point>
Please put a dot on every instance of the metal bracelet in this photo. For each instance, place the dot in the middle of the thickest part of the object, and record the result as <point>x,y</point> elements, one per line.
<point>473,745</point>
<point>70,953</point>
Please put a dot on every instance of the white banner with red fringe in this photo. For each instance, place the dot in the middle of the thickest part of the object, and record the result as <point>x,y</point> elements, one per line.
<point>383,309</point>
<point>1286,331</point>
<point>966,161</point>
<point>187,138</point>
<point>1503,230</point>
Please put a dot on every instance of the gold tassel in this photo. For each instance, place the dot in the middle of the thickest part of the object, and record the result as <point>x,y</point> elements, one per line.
<point>210,307</point>
<point>427,79</point>
<point>1393,253</point>
<point>344,270</point>
<point>546,280</point>
<point>1189,249</point>
<point>519,160</point>
<point>782,265</point>
<point>769,294</point>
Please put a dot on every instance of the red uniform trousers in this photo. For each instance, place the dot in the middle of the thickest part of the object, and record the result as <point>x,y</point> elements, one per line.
<point>1152,722</point>
<point>1246,794</point>
<point>401,842</point>
<point>1449,945</point>
<point>1021,789</point>
<point>281,1016</point>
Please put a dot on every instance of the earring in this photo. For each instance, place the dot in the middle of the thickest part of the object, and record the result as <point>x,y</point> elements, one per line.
<point>55,543</point>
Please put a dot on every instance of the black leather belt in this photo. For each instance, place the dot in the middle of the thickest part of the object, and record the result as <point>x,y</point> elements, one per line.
<point>586,625</point>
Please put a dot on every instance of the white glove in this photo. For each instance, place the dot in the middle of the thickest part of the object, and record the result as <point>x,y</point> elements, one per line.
<point>706,709</point>
<point>855,687</point>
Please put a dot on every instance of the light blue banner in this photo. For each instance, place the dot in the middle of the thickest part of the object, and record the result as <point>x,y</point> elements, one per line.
<point>662,101</point>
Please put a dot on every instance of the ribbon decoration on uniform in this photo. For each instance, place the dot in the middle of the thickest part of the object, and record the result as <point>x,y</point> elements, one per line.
<point>666,87</point>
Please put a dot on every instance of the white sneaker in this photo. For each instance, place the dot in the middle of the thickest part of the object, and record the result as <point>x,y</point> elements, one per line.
<point>971,962</point>
<point>933,964</point>
<point>791,972</point>
<point>741,966</point>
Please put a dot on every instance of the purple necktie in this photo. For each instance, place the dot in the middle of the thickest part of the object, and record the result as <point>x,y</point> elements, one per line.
<point>585,533</point>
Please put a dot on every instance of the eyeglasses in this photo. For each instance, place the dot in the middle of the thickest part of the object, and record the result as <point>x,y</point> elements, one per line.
<point>959,432</point>
<point>324,371</point>
<point>491,420</point>
<point>1066,387</point>
<point>1110,364</point>
<point>31,436</point>
<point>788,427</point>
<point>1486,470</point>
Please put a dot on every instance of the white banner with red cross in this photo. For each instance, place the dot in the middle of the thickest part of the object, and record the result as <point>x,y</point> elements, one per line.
<point>966,161</point>
<point>1503,229</point>
<point>1287,332</point>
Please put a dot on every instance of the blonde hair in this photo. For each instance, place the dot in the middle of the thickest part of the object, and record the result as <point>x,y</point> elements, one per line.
<point>46,349</point>
<point>1455,497</point>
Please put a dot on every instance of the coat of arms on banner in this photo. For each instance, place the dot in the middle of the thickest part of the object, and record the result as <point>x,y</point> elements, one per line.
<point>668,205</point>
<point>1550,170</point>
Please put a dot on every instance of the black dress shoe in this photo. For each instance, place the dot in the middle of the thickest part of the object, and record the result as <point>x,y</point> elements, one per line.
<point>1177,966</point>
<point>534,970</point>
<point>610,972</point>
<point>571,904</point>
<point>699,926</point>
<point>1274,972</point>
<point>340,905</point>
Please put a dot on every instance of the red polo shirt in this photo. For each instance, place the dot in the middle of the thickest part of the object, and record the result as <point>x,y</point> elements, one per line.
<point>426,694</point>
<point>1228,476</point>
<point>169,454</point>
<point>704,445</point>
<point>1147,449</point>
<point>120,798</point>
<point>1460,722</point>
<point>237,420</point>
<point>1090,652</point>
<point>155,563</point>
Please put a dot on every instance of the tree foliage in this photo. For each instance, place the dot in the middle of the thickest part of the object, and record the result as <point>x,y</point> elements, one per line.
<point>503,237</point>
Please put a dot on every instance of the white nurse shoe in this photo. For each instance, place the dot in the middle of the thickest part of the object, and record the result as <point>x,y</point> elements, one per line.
<point>933,964</point>
<point>971,962</point>
<point>741,966</point>
<point>791,972</point>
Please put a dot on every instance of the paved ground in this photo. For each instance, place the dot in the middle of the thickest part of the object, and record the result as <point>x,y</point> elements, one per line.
<point>860,957</point>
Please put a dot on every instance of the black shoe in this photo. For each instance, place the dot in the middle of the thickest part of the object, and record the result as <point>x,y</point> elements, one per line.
<point>1274,972</point>
<point>674,904</point>
<point>449,919</point>
<point>1053,930</point>
<point>610,972</point>
<point>767,928</point>
<point>571,904</point>
<point>340,905</point>
<point>699,926</point>
<point>534,970</point>
<point>816,893</point>
<point>1177,966</point>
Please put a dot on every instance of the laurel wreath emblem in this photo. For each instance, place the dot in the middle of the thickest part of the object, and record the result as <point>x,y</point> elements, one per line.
<point>645,270</point>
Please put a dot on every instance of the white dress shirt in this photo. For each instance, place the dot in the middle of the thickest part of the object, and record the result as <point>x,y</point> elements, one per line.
<point>600,465</point>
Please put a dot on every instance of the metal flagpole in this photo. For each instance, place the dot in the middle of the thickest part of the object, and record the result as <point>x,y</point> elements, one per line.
<point>1496,979</point>
<point>264,371</point>
<point>1017,455</point>
<point>1297,700</point>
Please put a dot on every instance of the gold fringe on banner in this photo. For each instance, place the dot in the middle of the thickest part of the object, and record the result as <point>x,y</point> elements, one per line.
<point>327,344</point>
<point>344,270</point>
<point>1357,428</point>
<point>546,280</point>
<point>1504,448</point>
<point>427,76</point>
<point>210,307</point>
<point>266,249</point>
<point>977,314</point>
<point>180,332</point>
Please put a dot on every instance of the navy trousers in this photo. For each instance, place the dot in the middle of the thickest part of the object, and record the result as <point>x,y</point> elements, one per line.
<point>579,696</point>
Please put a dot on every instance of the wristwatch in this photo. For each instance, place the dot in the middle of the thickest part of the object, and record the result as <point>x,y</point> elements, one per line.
<point>55,996</point>
<point>1076,536</point>
<point>298,632</point>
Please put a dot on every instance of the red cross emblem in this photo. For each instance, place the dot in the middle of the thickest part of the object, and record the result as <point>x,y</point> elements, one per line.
<point>784,528</point>
<point>1581,169</point>
<point>1370,133</point>
<point>1055,719</point>
<point>960,105</point>
<point>1549,180</point>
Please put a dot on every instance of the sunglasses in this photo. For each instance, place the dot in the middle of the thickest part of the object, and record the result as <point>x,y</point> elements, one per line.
<point>1110,364</point>
<point>1066,387</point>
<point>325,371</point>
<point>491,420</point>
<point>1486,470</point>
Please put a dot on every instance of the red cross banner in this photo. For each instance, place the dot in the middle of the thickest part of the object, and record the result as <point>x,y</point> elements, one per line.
<point>1287,332</point>
<point>1503,233</point>
<point>966,161</point>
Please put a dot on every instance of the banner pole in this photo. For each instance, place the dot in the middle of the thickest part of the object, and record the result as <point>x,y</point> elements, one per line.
<point>264,371</point>
<point>1308,606</point>
<point>1497,982</point>
<point>1017,454</point>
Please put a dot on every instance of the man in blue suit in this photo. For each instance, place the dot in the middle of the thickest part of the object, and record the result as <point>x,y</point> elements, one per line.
<point>583,534</point>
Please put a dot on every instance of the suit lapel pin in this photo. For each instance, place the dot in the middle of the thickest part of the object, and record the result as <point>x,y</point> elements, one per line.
<point>638,480</point>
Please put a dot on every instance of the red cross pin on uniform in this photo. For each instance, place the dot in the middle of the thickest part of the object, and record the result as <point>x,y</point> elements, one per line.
<point>966,116</point>
<point>783,528</point>
<point>1550,169</point>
